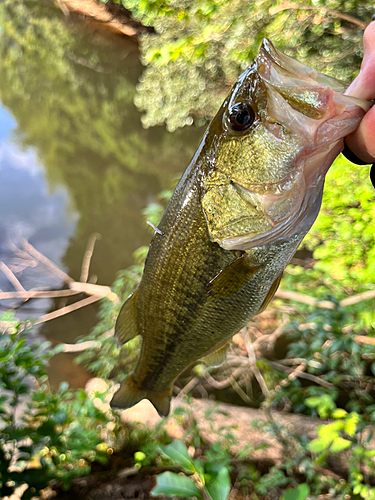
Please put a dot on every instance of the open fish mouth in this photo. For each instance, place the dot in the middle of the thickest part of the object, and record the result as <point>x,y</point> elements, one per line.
<point>302,117</point>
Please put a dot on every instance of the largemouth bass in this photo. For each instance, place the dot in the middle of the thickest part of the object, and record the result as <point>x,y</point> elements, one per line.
<point>244,204</point>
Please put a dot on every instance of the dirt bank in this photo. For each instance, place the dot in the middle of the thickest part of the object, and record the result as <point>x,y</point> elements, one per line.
<point>112,17</point>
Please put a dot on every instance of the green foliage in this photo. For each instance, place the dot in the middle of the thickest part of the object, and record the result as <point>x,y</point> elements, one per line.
<point>343,234</point>
<point>344,433</point>
<point>342,241</point>
<point>106,359</point>
<point>325,341</point>
<point>46,435</point>
<point>300,493</point>
<point>209,478</point>
<point>201,46</point>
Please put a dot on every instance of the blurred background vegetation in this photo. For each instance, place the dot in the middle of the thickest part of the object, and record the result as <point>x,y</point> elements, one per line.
<point>116,134</point>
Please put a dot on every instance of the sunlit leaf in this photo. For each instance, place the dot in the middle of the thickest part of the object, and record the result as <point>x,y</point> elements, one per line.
<point>175,485</point>
<point>178,452</point>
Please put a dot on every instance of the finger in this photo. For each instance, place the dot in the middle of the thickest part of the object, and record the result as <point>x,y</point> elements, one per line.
<point>362,141</point>
<point>363,86</point>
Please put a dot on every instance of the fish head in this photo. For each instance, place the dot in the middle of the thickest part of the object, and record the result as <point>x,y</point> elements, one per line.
<point>271,145</point>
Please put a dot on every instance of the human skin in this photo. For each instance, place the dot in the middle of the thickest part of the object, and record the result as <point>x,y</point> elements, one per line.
<point>362,141</point>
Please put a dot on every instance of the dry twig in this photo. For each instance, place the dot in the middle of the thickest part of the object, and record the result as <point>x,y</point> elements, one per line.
<point>48,263</point>
<point>253,363</point>
<point>8,273</point>
<point>298,372</point>
<point>67,309</point>
<point>320,8</point>
<point>87,256</point>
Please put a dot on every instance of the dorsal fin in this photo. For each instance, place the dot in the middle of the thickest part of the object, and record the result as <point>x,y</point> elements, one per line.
<point>270,294</point>
<point>126,324</point>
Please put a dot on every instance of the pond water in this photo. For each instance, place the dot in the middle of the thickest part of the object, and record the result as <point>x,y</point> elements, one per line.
<point>74,158</point>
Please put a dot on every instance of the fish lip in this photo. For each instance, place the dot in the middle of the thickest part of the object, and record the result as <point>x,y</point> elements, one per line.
<point>269,54</point>
<point>273,67</point>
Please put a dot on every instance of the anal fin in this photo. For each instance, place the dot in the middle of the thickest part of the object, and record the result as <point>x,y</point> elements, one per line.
<point>218,357</point>
<point>126,323</point>
<point>130,394</point>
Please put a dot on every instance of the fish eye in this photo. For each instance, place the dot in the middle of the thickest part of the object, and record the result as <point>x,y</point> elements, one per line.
<point>241,117</point>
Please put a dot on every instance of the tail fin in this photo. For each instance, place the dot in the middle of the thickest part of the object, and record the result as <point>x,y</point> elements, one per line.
<point>129,395</point>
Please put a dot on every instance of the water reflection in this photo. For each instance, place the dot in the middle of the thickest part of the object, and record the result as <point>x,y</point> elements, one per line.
<point>91,167</point>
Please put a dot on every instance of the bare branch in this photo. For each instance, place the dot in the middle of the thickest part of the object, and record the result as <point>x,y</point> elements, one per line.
<point>89,344</point>
<point>8,273</point>
<point>363,339</point>
<point>355,299</point>
<point>216,384</point>
<point>64,9</point>
<point>48,263</point>
<point>75,288</point>
<point>304,299</point>
<point>264,345</point>
<point>82,346</point>
<point>320,8</point>
<point>87,256</point>
<point>325,304</point>
<point>67,309</point>
<point>37,294</point>
<point>253,363</point>
<point>188,387</point>
<point>91,289</point>
<point>301,374</point>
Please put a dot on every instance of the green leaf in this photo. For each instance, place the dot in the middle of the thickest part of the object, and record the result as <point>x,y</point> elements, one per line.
<point>178,452</point>
<point>174,485</point>
<point>340,444</point>
<point>317,446</point>
<point>300,493</point>
<point>313,401</point>
<point>339,413</point>
<point>219,488</point>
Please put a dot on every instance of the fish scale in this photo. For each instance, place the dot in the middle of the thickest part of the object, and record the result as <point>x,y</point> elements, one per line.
<point>240,211</point>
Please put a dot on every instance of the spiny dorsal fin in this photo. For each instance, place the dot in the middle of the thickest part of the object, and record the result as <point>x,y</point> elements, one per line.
<point>231,279</point>
<point>218,357</point>
<point>126,324</point>
<point>270,294</point>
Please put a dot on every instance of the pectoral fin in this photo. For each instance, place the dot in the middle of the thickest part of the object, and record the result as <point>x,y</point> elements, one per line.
<point>218,357</point>
<point>270,294</point>
<point>231,279</point>
<point>130,394</point>
<point>126,324</point>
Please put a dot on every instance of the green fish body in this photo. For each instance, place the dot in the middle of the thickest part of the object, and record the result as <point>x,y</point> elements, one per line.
<point>240,211</point>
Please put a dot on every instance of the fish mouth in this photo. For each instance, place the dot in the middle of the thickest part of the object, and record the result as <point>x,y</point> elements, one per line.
<point>286,74</point>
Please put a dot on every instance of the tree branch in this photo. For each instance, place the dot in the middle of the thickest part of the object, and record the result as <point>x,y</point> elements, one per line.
<point>320,8</point>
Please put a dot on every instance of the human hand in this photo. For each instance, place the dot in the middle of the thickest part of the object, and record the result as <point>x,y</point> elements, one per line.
<point>362,141</point>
